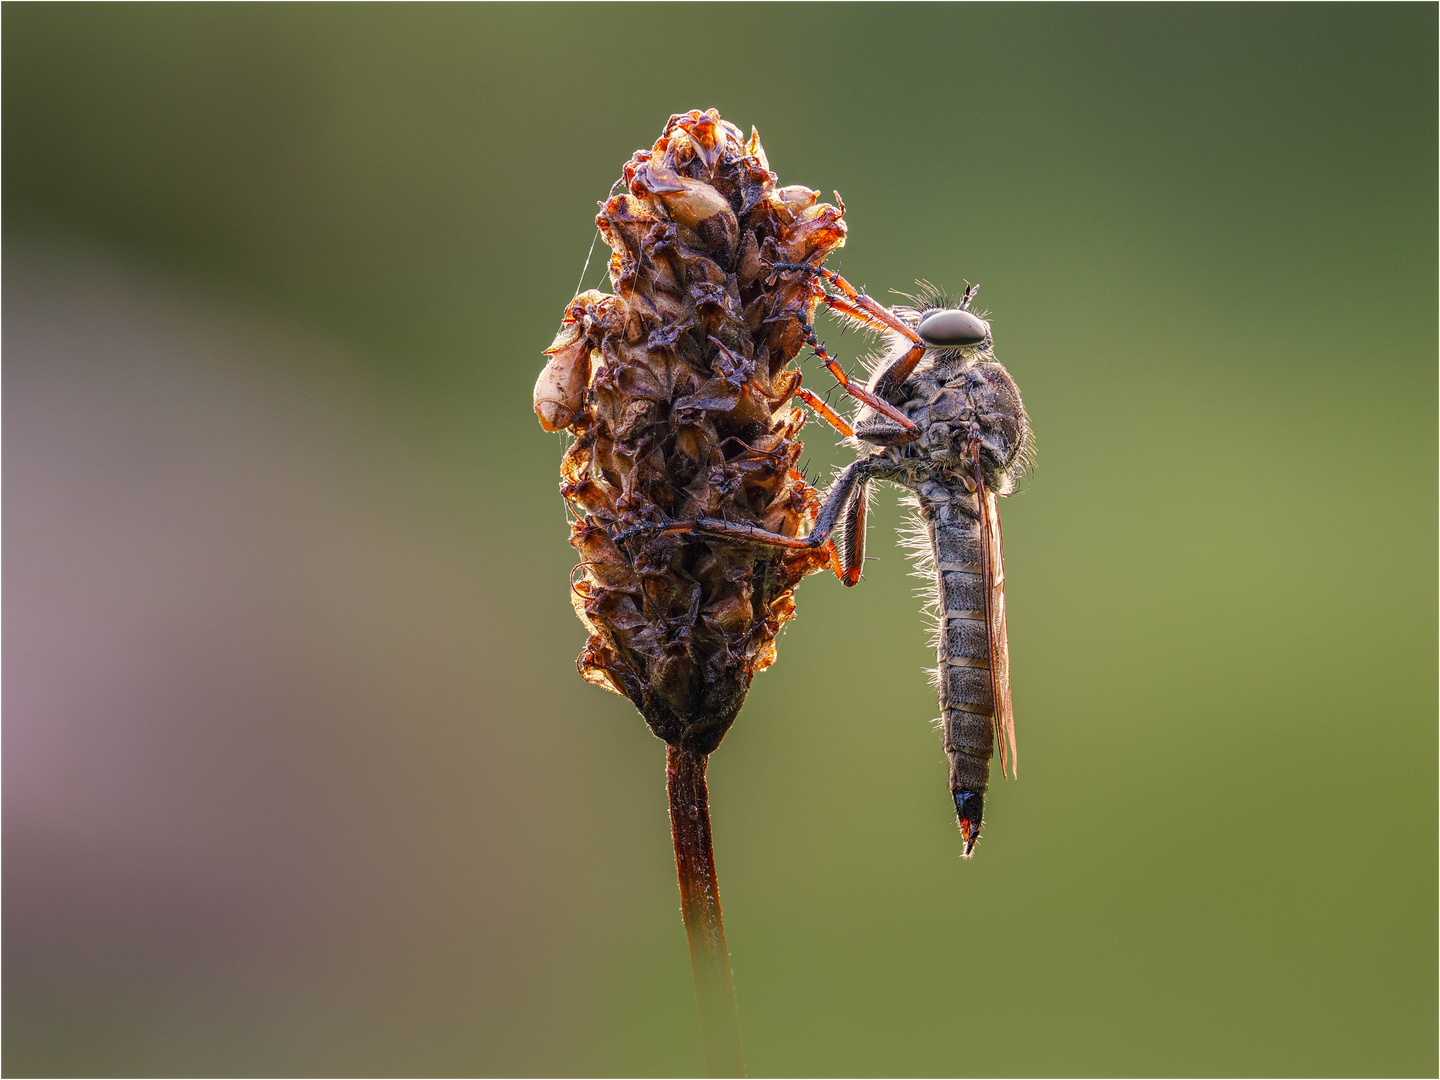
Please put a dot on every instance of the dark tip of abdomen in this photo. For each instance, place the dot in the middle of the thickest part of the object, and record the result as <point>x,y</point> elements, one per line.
<point>970,809</point>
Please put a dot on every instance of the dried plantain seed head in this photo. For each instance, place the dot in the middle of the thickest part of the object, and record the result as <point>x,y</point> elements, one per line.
<point>677,392</point>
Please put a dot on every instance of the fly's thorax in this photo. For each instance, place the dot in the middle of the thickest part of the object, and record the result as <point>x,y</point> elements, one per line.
<point>953,408</point>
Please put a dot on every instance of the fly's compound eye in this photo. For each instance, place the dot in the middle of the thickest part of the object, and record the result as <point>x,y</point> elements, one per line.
<point>952,329</point>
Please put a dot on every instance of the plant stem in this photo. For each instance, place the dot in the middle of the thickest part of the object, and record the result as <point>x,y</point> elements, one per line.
<point>700,907</point>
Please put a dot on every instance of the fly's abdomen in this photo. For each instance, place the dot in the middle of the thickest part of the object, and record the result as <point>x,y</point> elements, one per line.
<point>966,700</point>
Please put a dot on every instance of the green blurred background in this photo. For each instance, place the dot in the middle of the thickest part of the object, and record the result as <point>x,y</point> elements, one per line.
<point>299,776</point>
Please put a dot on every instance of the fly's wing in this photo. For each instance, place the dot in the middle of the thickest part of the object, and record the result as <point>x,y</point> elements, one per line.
<point>994,555</point>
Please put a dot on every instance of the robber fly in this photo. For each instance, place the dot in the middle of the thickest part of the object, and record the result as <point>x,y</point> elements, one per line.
<point>940,417</point>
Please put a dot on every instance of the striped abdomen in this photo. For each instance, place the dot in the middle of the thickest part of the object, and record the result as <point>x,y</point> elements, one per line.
<point>966,699</point>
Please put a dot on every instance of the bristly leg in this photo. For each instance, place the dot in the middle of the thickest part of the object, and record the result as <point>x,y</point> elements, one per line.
<point>822,410</point>
<point>854,305</point>
<point>853,302</point>
<point>854,389</point>
<point>850,549</point>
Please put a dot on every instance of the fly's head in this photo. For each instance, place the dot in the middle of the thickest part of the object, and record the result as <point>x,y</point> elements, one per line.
<point>970,402</point>
<point>950,328</point>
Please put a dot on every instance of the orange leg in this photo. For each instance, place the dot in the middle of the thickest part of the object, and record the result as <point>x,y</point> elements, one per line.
<point>895,375</point>
<point>824,412</point>
<point>857,307</point>
<point>858,392</point>
<point>855,303</point>
<point>897,372</point>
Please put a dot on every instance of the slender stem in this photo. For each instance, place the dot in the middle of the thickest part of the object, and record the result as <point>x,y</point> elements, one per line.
<point>700,906</point>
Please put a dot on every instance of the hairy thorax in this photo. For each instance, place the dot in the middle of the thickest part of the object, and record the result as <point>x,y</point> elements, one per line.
<point>956,403</point>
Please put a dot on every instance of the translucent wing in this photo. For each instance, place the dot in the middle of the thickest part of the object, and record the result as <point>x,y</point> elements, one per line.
<point>994,555</point>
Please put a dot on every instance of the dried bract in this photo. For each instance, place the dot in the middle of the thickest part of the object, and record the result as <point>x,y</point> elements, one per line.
<point>677,391</point>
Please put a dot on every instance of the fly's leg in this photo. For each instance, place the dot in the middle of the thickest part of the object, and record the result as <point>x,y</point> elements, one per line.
<point>855,390</point>
<point>857,307</point>
<point>850,550</point>
<point>853,303</point>
<point>824,411</point>
<point>850,483</point>
<point>895,375</point>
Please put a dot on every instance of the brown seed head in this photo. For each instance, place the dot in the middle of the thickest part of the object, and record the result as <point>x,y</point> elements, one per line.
<point>677,392</point>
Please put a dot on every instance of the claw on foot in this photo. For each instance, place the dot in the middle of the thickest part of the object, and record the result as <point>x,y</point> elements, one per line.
<point>636,530</point>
